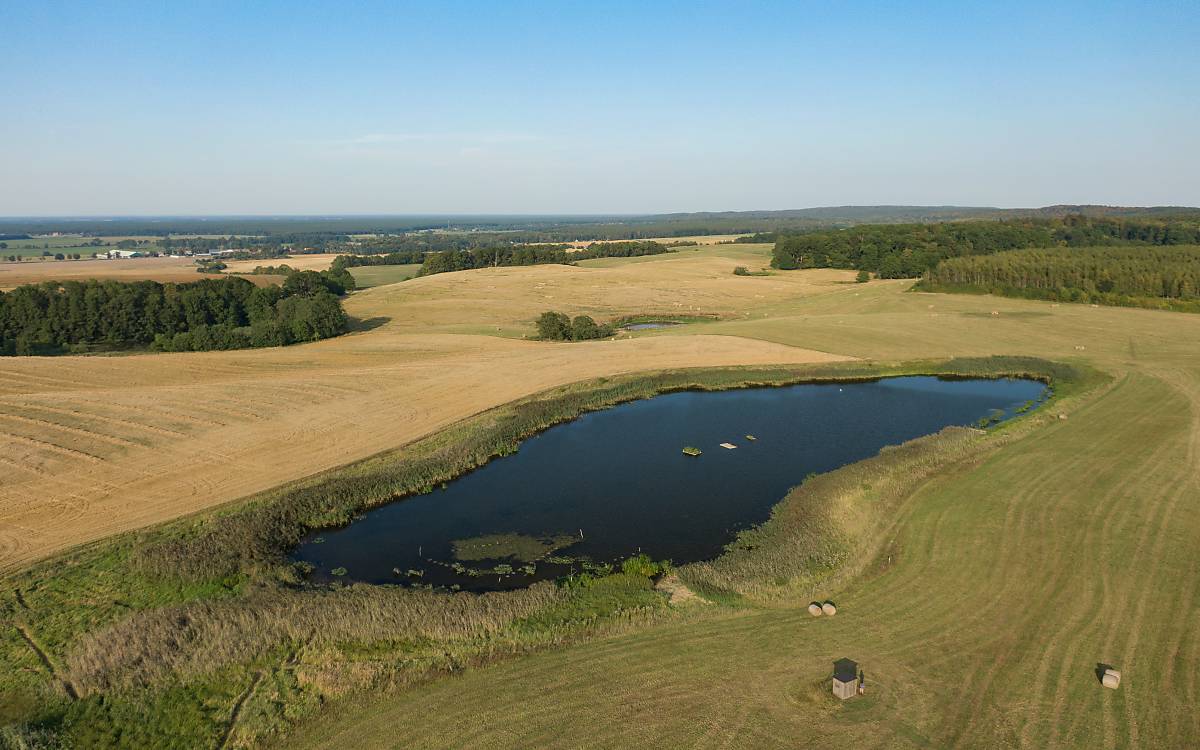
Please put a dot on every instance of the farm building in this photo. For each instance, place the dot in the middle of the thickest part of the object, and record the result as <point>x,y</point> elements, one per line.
<point>845,678</point>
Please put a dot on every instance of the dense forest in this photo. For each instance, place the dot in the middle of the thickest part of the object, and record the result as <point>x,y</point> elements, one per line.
<point>229,313</point>
<point>1159,277</point>
<point>907,250</point>
<point>531,255</point>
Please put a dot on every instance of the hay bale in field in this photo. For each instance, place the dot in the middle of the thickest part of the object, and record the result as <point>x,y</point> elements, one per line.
<point>815,610</point>
<point>1111,679</point>
<point>829,609</point>
<point>1062,416</point>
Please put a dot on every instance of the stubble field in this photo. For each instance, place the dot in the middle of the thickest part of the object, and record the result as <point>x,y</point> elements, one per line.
<point>97,445</point>
<point>179,270</point>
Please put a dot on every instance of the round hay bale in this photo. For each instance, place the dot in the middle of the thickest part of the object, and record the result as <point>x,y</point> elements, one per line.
<point>1111,681</point>
<point>814,609</point>
<point>829,609</point>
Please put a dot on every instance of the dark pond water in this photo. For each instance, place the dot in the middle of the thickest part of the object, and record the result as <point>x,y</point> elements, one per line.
<point>614,483</point>
<point>649,326</point>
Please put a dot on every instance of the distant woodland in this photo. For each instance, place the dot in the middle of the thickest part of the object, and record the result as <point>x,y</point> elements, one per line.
<point>531,255</point>
<point>484,230</point>
<point>908,250</point>
<point>228,313</point>
<point>1158,277</point>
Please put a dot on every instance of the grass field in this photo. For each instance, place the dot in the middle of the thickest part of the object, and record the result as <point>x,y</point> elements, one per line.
<point>77,244</point>
<point>1013,579</point>
<point>1008,577</point>
<point>367,277</point>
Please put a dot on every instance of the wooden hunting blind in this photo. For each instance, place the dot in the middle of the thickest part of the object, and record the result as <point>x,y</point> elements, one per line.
<point>845,678</point>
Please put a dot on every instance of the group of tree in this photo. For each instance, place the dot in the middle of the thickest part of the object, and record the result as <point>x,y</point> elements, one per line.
<point>226,313</point>
<point>908,250</point>
<point>530,255</point>
<point>555,326</point>
<point>1166,277</point>
<point>283,269</point>
<point>403,258</point>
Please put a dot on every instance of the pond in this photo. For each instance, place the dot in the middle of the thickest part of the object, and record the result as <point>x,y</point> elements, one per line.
<point>650,325</point>
<point>615,483</point>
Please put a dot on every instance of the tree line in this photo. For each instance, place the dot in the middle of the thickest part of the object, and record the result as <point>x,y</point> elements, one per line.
<point>530,255</point>
<point>227,313</point>
<point>908,250</point>
<point>403,258</point>
<point>1164,277</point>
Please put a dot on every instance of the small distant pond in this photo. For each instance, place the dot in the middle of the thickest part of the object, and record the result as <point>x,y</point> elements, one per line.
<point>616,482</point>
<point>650,325</point>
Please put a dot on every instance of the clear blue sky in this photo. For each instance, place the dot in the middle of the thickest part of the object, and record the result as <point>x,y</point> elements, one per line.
<point>500,107</point>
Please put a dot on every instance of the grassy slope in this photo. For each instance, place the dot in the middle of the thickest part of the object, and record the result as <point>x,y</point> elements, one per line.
<point>371,276</point>
<point>1074,545</point>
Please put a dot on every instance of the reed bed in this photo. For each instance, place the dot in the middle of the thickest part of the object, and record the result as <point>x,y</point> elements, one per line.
<point>172,643</point>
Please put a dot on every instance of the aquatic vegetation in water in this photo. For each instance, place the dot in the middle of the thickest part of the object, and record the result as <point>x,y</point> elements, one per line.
<point>519,547</point>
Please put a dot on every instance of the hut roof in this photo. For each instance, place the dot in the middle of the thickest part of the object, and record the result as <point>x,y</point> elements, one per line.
<point>845,670</point>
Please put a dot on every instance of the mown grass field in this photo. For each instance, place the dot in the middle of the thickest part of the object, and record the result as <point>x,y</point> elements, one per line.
<point>1006,579</point>
<point>367,277</point>
<point>1013,579</point>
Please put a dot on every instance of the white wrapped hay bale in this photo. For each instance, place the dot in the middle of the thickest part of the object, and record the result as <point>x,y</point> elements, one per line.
<point>829,609</point>
<point>814,609</point>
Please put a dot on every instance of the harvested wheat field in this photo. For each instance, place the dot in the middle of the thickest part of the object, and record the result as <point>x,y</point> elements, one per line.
<point>686,284</point>
<point>99,445</point>
<point>126,269</point>
<point>306,262</point>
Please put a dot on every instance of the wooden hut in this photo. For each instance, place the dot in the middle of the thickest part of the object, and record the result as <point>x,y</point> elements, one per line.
<point>845,678</point>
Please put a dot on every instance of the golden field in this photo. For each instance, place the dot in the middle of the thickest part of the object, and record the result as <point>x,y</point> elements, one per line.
<point>98,445</point>
<point>128,269</point>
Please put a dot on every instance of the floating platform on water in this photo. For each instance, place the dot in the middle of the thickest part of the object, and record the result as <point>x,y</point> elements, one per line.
<point>691,451</point>
<point>751,437</point>
<point>730,446</point>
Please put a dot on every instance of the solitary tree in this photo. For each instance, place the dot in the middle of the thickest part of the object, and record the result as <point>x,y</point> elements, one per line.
<point>583,328</point>
<point>554,326</point>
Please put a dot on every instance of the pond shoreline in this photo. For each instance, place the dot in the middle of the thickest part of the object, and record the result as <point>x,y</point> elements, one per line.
<point>563,478</point>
